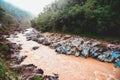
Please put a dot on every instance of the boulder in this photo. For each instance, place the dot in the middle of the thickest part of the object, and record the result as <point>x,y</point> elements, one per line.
<point>105,56</point>
<point>76,43</point>
<point>66,37</point>
<point>73,50</point>
<point>41,39</point>
<point>117,64</point>
<point>85,52</point>
<point>116,42</point>
<point>63,49</point>
<point>34,38</point>
<point>93,52</point>
<point>47,42</point>
<point>77,54</point>
<point>55,45</point>
<point>13,36</point>
<point>114,55</point>
<point>101,57</point>
<point>35,47</point>
<point>51,77</point>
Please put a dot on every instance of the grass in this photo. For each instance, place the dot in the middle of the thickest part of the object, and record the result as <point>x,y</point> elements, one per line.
<point>37,78</point>
<point>4,48</point>
<point>5,72</point>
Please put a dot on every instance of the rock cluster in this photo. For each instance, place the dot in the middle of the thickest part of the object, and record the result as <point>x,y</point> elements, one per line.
<point>77,46</point>
<point>11,51</point>
<point>31,72</point>
<point>27,72</point>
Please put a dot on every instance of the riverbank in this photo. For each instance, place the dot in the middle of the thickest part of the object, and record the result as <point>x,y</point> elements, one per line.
<point>10,60</point>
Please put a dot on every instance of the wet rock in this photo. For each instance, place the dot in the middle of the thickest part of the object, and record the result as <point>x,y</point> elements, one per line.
<point>114,55</point>
<point>101,57</point>
<point>28,72</point>
<point>77,54</point>
<point>72,50</point>
<point>35,47</point>
<point>13,45</point>
<point>47,42</point>
<point>28,38</point>
<point>34,38</point>
<point>76,42</point>
<point>66,37</point>
<point>49,77</point>
<point>61,49</point>
<point>39,71</point>
<point>41,39</point>
<point>116,42</point>
<point>13,36</point>
<point>93,52</point>
<point>85,52</point>
<point>55,45</point>
<point>117,64</point>
<point>105,56</point>
<point>17,59</point>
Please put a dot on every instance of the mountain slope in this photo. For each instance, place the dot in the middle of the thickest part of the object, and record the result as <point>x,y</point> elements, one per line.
<point>21,17</point>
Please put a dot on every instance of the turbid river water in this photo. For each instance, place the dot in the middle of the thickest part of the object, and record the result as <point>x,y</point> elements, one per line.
<point>68,67</point>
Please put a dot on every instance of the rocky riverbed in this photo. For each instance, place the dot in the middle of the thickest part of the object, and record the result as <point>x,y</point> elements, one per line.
<point>42,50</point>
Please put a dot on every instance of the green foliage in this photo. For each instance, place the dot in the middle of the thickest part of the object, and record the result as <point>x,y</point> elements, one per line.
<point>5,72</point>
<point>21,17</point>
<point>4,48</point>
<point>37,78</point>
<point>1,13</point>
<point>99,17</point>
<point>7,21</point>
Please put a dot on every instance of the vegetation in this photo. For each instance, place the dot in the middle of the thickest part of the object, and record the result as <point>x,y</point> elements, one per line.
<point>5,72</point>
<point>4,48</point>
<point>5,21</point>
<point>21,18</point>
<point>99,17</point>
<point>37,78</point>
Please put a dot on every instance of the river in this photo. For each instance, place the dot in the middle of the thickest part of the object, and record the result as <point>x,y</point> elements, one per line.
<point>68,67</point>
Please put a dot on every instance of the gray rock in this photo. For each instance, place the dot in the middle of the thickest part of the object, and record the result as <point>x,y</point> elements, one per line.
<point>63,49</point>
<point>77,54</point>
<point>93,51</point>
<point>66,37</point>
<point>40,40</point>
<point>105,56</point>
<point>47,42</point>
<point>76,42</point>
<point>55,45</point>
<point>13,36</point>
<point>85,52</point>
<point>101,57</point>
<point>73,50</point>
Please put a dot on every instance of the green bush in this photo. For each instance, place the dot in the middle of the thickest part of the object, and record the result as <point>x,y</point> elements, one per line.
<point>37,78</point>
<point>5,72</point>
<point>4,48</point>
<point>99,17</point>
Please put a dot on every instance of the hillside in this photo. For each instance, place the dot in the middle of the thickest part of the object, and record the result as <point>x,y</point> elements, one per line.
<point>20,16</point>
<point>92,17</point>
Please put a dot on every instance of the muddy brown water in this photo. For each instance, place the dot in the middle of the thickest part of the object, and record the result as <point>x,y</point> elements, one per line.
<point>68,67</point>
